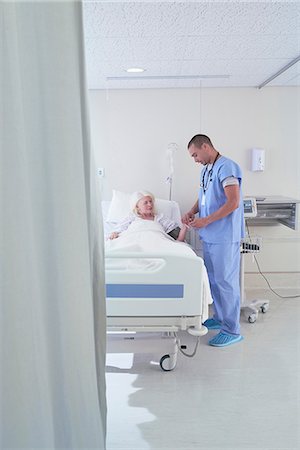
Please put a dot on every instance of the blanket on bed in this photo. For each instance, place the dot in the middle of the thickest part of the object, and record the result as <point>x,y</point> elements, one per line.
<point>146,236</point>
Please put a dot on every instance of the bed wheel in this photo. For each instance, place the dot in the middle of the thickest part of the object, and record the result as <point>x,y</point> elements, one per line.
<point>252,318</point>
<point>264,308</point>
<point>167,362</point>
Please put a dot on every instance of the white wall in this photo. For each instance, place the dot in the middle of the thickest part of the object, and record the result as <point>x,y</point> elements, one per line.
<point>131,130</point>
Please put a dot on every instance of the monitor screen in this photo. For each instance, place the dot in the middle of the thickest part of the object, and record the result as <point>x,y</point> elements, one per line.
<point>250,209</point>
<point>248,206</point>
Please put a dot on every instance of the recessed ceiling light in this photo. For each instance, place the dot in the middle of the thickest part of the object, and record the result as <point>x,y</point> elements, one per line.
<point>135,70</point>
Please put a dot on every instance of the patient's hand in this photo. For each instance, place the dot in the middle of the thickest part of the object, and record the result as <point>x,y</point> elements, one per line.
<point>113,235</point>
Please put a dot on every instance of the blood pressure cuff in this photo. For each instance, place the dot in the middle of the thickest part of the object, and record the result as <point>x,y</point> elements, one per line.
<point>174,233</point>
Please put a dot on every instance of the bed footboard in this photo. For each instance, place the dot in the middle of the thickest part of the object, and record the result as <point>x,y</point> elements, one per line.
<point>169,286</point>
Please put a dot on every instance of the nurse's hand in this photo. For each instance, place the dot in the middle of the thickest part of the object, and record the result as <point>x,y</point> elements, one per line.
<point>200,222</point>
<point>187,218</point>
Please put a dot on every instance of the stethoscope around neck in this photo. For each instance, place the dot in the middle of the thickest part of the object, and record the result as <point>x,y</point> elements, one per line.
<point>209,175</point>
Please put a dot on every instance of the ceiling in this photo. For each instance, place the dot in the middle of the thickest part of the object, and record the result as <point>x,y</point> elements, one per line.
<point>191,44</point>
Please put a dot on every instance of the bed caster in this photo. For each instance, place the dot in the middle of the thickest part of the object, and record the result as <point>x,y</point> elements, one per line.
<point>252,318</point>
<point>167,362</point>
<point>264,308</point>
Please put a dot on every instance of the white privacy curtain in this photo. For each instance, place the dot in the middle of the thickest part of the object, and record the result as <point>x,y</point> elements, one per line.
<point>52,283</point>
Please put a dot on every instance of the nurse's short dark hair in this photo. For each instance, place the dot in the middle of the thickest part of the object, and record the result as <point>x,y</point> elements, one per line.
<point>200,139</point>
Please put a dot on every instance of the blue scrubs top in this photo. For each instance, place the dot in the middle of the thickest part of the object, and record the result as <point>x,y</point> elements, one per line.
<point>232,227</point>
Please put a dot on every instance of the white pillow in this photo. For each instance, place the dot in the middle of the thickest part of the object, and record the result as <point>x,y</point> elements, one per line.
<point>120,207</point>
<point>165,207</point>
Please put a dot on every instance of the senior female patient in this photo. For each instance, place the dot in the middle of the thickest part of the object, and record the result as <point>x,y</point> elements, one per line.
<point>143,208</point>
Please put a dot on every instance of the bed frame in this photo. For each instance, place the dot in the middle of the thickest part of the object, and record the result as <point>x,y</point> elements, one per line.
<point>146,308</point>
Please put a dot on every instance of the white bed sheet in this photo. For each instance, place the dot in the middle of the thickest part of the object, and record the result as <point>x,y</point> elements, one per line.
<point>148,237</point>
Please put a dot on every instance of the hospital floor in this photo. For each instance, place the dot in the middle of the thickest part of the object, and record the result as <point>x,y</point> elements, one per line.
<point>242,397</point>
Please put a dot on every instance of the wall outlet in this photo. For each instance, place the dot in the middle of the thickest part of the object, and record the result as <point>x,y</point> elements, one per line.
<point>100,171</point>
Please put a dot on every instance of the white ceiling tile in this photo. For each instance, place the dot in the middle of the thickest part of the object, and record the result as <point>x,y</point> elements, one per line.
<point>228,46</point>
<point>156,19</point>
<point>240,17</point>
<point>247,40</point>
<point>105,19</point>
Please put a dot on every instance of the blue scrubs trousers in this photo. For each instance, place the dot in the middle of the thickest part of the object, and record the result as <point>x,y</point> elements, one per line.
<point>222,262</point>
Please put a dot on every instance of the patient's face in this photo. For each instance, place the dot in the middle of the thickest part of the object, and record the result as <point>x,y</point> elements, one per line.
<point>145,205</point>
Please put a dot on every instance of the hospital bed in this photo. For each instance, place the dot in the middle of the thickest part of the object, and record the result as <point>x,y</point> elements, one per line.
<point>153,294</point>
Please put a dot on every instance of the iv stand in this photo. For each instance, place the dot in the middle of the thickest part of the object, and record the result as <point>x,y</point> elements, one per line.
<point>172,147</point>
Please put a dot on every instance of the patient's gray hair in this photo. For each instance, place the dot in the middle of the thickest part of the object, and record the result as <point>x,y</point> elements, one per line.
<point>136,197</point>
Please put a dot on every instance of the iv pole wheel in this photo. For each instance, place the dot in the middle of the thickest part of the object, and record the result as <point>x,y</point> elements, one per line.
<point>167,363</point>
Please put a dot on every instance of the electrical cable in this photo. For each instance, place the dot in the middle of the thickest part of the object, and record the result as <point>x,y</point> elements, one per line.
<point>189,355</point>
<point>265,278</point>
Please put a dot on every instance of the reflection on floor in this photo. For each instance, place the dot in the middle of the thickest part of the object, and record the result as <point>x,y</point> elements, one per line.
<point>246,396</point>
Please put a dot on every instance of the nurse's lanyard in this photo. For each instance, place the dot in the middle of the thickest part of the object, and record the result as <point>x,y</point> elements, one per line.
<point>208,180</point>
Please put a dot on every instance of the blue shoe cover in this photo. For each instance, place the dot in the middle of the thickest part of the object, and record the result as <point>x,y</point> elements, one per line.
<point>212,324</point>
<point>223,339</point>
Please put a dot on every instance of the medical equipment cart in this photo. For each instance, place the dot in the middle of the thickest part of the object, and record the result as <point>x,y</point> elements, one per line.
<point>250,245</point>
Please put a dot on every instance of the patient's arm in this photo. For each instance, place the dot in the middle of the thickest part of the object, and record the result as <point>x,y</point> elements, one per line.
<point>182,233</point>
<point>178,233</point>
<point>122,226</point>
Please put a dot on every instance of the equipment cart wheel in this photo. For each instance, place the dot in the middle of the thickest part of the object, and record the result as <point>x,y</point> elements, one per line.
<point>252,318</point>
<point>167,362</point>
<point>264,308</point>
